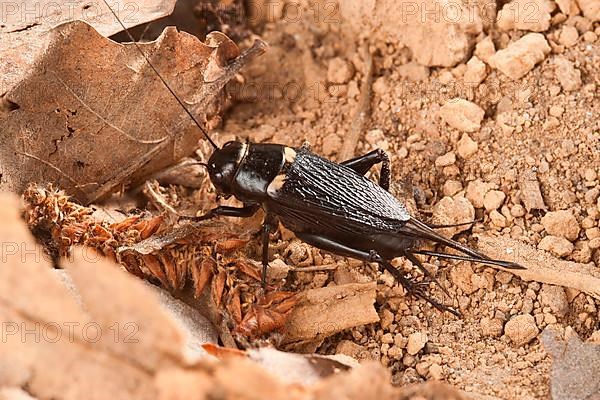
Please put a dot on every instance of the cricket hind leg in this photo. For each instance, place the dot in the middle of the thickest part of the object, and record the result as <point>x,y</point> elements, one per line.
<point>411,287</point>
<point>362,164</point>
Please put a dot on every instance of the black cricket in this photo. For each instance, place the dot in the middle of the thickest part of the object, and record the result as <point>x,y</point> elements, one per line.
<point>331,206</point>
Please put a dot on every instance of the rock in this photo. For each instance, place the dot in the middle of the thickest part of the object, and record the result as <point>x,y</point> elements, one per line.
<point>277,270</point>
<point>568,36</point>
<point>476,191</point>
<point>386,319</point>
<point>521,56</point>
<point>491,327</point>
<point>416,341</point>
<point>466,146</point>
<point>566,73</point>
<point>493,199</point>
<point>568,7</point>
<point>561,223</point>
<point>498,219</point>
<point>556,111</point>
<point>527,15</point>
<point>475,73</point>
<point>395,352</point>
<point>594,243</point>
<point>554,297</point>
<point>461,275</point>
<point>331,144</point>
<point>339,71</point>
<point>445,160</point>
<point>590,9</point>
<point>485,49</point>
<point>531,194</point>
<point>521,329</point>
<point>441,38</point>
<point>517,211</point>
<point>436,372</point>
<point>451,187</point>
<point>462,115</point>
<point>558,246</point>
<point>413,71</point>
<point>351,349</point>
<point>453,211</point>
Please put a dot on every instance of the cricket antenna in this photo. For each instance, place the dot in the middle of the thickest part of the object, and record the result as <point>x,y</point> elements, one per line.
<point>214,145</point>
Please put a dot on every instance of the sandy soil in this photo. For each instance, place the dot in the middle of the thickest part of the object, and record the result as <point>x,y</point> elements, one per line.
<point>542,125</point>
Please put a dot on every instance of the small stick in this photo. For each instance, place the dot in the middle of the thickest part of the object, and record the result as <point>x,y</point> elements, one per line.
<point>362,111</point>
<point>325,267</point>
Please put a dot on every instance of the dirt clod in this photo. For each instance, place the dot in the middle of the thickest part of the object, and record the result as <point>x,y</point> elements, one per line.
<point>559,246</point>
<point>462,115</point>
<point>521,329</point>
<point>561,223</point>
<point>416,341</point>
<point>566,73</point>
<point>521,56</point>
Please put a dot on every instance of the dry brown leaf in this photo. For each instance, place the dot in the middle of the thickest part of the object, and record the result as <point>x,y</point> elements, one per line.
<point>153,363</point>
<point>93,116</point>
<point>25,23</point>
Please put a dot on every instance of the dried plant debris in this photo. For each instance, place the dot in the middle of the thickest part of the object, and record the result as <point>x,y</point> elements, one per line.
<point>111,337</point>
<point>543,267</point>
<point>575,366</point>
<point>194,256</point>
<point>98,117</point>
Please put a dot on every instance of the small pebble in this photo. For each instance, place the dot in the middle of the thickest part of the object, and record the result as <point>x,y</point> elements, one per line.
<point>451,187</point>
<point>554,297</point>
<point>462,115</point>
<point>416,341</point>
<point>556,245</point>
<point>568,36</point>
<point>521,329</point>
<point>491,327</point>
<point>493,199</point>
<point>436,372</point>
<point>561,223</point>
<point>475,72</point>
<point>445,160</point>
<point>517,211</point>
<point>498,219</point>
<point>566,73</point>
<point>466,146</point>
<point>339,71</point>
<point>476,191</point>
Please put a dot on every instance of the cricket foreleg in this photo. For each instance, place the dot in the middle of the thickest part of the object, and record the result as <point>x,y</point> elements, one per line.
<point>364,163</point>
<point>268,225</point>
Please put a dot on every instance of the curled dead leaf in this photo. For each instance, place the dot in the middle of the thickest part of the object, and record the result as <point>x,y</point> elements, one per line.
<point>97,116</point>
